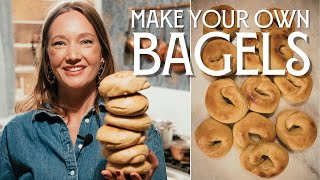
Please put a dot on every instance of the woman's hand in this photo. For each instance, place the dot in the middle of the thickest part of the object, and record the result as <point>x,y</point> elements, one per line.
<point>152,159</point>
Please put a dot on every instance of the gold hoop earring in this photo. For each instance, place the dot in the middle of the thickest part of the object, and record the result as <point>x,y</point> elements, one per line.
<point>101,71</point>
<point>50,76</point>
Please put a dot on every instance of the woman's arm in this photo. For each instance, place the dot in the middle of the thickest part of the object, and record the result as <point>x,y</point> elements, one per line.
<point>6,171</point>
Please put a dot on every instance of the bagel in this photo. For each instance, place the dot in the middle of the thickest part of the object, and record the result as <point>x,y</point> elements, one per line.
<point>264,20</point>
<point>263,96</point>
<point>130,105</point>
<point>140,168</point>
<point>213,138</point>
<point>296,129</point>
<point>134,123</point>
<point>253,60</point>
<point>115,138</point>
<point>265,160</point>
<point>280,51</point>
<point>122,83</point>
<point>131,155</point>
<point>295,89</point>
<point>253,124</point>
<point>212,55</point>
<point>224,101</point>
<point>212,19</point>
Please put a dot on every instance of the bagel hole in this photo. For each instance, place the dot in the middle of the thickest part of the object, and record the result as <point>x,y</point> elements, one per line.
<point>261,92</point>
<point>294,127</point>
<point>227,100</point>
<point>255,137</point>
<point>293,83</point>
<point>215,143</point>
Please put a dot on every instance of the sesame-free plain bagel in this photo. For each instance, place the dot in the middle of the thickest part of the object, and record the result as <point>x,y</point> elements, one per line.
<point>213,138</point>
<point>279,51</point>
<point>213,55</point>
<point>224,101</point>
<point>130,105</point>
<point>295,89</point>
<point>296,129</point>
<point>253,124</point>
<point>122,83</point>
<point>265,160</point>
<point>263,96</point>
<point>132,155</point>
<point>116,138</point>
<point>134,123</point>
<point>212,19</point>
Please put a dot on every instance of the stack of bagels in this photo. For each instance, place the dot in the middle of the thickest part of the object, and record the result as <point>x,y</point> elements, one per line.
<point>123,135</point>
<point>239,114</point>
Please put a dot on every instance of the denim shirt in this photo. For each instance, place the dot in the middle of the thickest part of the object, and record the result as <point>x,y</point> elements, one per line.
<point>37,145</point>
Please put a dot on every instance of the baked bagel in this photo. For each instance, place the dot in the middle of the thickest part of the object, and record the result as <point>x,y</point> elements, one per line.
<point>134,123</point>
<point>122,83</point>
<point>253,124</point>
<point>224,101</point>
<point>140,168</point>
<point>132,155</point>
<point>212,55</point>
<point>130,105</point>
<point>295,89</point>
<point>296,129</point>
<point>263,96</point>
<point>230,18</point>
<point>213,138</point>
<point>264,19</point>
<point>265,160</point>
<point>280,51</point>
<point>253,60</point>
<point>115,138</point>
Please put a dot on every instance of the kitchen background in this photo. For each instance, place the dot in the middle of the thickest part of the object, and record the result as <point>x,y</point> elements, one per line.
<point>21,21</point>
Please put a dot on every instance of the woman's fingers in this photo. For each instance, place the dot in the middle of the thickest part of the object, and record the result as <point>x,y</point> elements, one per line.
<point>107,174</point>
<point>120,175</point>
<point>153,160</point>
<point>135,176</point>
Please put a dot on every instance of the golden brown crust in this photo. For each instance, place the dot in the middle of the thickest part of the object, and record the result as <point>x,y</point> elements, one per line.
<point>213,138</point>
<point>134,123</point>
<point>265,160</point>
<point>263,96</point>
<point>212,19</point>
<point>296,129</point>
<point>295,89</point>
<point>253,124</point>
<point>140,168</point>
<point>116,138</point>
<point>221,109</point>
<point>212,55</point>
<point>130,105</point>
<point>122,83</point>
<point>131,155</point>
<point>265,19</point>
<point>280,51</point>
<point>253,60</point>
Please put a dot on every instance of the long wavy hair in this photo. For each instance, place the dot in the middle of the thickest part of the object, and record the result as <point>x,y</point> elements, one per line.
<point>45,93</point>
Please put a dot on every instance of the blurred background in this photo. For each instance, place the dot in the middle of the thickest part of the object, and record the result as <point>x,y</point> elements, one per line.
<point>169,96</point>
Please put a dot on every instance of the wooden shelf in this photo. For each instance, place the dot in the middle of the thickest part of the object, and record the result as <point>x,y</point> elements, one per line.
<point>27,22</point>
<point>24,45</point>
<point>25,69</point>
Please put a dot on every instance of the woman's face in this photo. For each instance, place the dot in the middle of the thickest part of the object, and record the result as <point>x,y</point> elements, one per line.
<point>74,51</point>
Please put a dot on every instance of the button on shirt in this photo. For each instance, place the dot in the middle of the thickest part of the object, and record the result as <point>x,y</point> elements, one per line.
<point>37,145</point>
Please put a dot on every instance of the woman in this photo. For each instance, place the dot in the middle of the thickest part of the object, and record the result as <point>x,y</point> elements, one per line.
<point>47,140</point>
